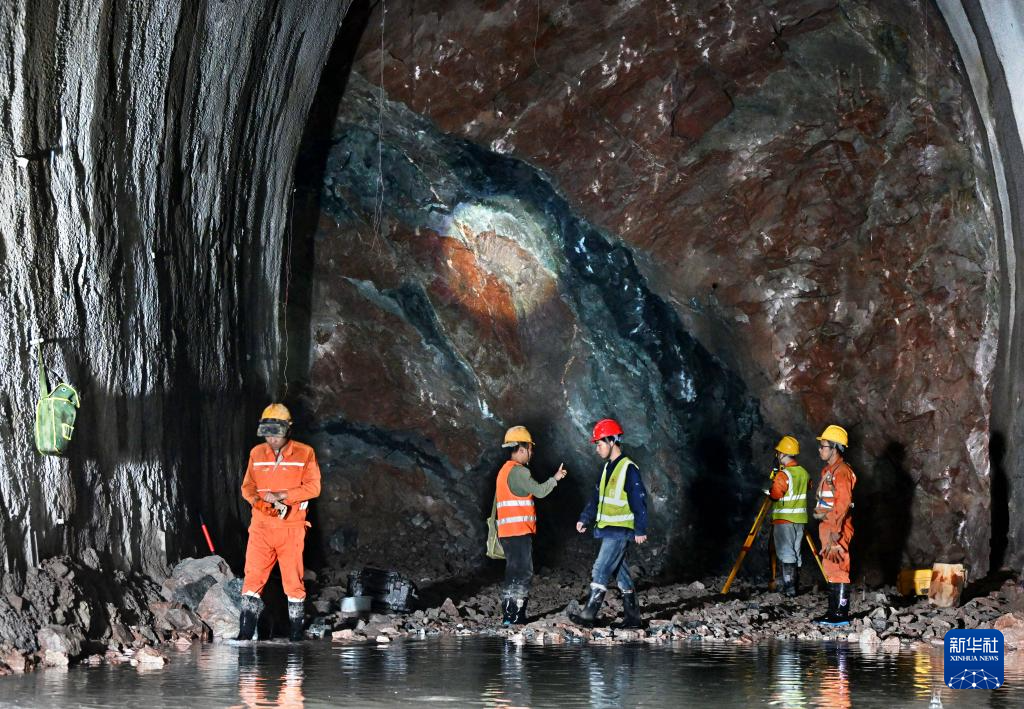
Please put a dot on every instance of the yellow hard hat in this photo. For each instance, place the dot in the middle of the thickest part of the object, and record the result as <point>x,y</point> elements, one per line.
<point>278,412</point>
<point>835,434</point>
<point>516,435</point>
<point>788,446</point>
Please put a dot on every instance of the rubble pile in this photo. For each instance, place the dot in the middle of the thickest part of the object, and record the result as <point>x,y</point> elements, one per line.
<point>65,610</point>
<point>68,611</point>
<point>697,612</point>
<point>879,616</point>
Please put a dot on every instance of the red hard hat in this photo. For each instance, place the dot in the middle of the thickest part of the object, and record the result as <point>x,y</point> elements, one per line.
<point>605,428</point>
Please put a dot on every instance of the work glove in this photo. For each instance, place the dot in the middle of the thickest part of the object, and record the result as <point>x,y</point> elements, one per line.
<point>264,507</point>
<point>280,509</point>
<point>820,514</point>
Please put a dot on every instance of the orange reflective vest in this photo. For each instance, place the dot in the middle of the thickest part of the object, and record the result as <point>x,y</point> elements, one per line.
<point>516,515</point>
<point>835,491</point>
<point>295,472</point>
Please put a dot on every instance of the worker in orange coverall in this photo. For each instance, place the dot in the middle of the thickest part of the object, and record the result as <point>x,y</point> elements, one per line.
<point>281,478</point>
<point>834,511</point>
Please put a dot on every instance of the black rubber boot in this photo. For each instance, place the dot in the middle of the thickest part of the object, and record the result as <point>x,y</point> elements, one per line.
<point>588,615</point>
<point>519,609</point>
<point>252,607</point>
<point>789,573</point>
<point>838,605</point>
<point>842,604</point>
<point>296,620</point>
<point>508,611</point>
<point>630,610</point>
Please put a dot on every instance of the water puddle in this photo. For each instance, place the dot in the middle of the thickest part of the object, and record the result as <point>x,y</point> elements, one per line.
<point>487,672</point>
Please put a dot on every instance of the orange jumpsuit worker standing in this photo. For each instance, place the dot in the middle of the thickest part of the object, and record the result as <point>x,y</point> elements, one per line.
<point>834,511</point>
<point>281,478</point>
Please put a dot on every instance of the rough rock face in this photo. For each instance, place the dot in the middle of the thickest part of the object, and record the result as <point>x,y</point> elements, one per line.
<point>145,169</point>
<point>481,301</point>
<point>63,604</point>
<point>799,183</point>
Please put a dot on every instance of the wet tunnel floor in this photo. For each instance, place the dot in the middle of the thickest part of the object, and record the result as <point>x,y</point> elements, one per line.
<point>491,672</point>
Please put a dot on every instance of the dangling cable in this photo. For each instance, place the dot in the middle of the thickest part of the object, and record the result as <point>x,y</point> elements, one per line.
<point>287,287</point>
<point>378,210</point>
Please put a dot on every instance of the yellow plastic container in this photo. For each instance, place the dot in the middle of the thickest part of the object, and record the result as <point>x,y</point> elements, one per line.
<point>914,582</point>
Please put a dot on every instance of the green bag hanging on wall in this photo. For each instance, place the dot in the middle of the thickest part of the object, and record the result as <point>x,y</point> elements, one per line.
<point>55,414</point>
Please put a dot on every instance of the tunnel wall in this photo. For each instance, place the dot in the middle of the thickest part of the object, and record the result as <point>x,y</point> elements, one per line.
<point>146,161</point>
<point>990,39</point>
<point>145,177</point>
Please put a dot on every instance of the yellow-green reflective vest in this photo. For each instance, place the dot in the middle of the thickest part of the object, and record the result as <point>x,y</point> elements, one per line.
<point>793,506</point>
<point>612,503</point>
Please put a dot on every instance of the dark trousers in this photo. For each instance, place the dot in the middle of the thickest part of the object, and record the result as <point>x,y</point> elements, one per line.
<point>518,565</point>
<point>611,562</point>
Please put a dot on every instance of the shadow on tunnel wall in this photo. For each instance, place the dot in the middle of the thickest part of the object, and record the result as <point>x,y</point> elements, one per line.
<point>711,505</point>
<point>154,450</point>
<point>882,518</point>
<point>298,274</point>
<point>310,168</point>
<point>1000,501</point>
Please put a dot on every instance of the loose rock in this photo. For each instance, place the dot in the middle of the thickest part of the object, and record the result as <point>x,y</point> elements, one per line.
<point>220,607</point>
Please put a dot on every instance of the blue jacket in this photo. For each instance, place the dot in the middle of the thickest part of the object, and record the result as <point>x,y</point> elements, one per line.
<point>636,493</point>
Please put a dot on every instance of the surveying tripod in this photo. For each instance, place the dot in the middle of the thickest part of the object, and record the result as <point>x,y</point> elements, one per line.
<point>749,542</point>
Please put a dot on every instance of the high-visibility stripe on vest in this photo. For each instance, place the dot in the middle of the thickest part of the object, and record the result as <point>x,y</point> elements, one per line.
<point>613,503</point>
<point>516,515</point>
<point>792,506</point>
<point>272,471</point>
<point>827,486</point>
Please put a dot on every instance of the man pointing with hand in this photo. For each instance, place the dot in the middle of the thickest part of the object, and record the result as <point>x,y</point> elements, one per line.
<point>516,513</point>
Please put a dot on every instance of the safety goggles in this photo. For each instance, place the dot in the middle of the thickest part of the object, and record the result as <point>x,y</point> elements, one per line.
<point>273,428</point>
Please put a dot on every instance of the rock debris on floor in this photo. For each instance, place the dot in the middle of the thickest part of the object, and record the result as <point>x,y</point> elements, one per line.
<point>68,612</point>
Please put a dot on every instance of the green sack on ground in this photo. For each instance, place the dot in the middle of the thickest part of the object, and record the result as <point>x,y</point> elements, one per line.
<point>55,415</point>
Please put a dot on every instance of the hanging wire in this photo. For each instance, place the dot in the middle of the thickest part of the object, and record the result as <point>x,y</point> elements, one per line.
<point>536,34</point>
<point>287,288</point>
<point>378,210</point>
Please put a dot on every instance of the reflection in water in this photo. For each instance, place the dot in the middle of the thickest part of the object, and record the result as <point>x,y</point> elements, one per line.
<point>924,684</point>
<point>834,690</point>
<point>263,685</point>
<point>510,685</point>
<point>395,659</point>
<point>489,672</point>
<point>788,681</point>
